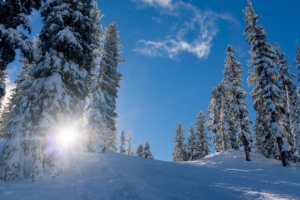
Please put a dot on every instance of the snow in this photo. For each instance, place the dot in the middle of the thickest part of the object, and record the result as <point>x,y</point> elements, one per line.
<point>223,175</point>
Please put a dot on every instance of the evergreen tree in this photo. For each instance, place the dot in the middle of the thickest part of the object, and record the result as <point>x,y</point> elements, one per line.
<point>15,149</point>
<point>140,150</point>
<point>56,99</point>
<point>12,15</point>
<point>203,139</point>
<point>266,94</point>
<point>238,108</point>
<point>214,118</point>
<point>225,121</point>
<point>122,148</point>
<point>192,145</point>
<point>179,151</point>
<point>108,82</point>
<point>23,83</point>
<point>297,59</point>
<point>129,148</point>
<point>96,127</point>
<point>147,151</point>
<point>290,103</point>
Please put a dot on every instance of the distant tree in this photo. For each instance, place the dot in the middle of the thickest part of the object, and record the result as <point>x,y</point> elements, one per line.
<point>225,117</point>
<point>140,150</point>
<point>122,148</point>
<point>147,151</point>
<point>129,148</point>
<point>192,145</point>
<point>203,139</point>
<point>213,124</point>
<point>179,151</point>
<point>238,108</point>
<point>266,95</point>
<point>12,15</point>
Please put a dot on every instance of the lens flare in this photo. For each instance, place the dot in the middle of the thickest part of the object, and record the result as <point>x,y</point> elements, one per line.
<point>67,137</point>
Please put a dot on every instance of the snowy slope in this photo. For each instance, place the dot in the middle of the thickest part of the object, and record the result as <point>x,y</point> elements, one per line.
<point>114,176</point>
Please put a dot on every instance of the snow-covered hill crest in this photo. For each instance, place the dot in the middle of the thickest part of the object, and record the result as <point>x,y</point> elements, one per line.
<point>115,176</point>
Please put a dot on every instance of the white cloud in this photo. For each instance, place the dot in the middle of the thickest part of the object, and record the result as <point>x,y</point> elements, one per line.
<point>156,3</point>
<point>189,22</point>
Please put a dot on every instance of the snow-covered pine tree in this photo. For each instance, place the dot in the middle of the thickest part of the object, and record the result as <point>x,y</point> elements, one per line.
<point>297,59</point>
<point>4,116</point>
<point>225,118</point>
<point>122,139</point>
<point>202,138</point>
<point>140,150</point>
<point>12,15</point>
<point>108,82</point>
<point>297,64</point>
<point>129,149</point>
<point>96,127</point>
<point>192,145</point>
<point>291,103</point>
<point>147,151</point>
<point>23,83</point>
<point>213,124</point>
<point>266,94</point>
<point>56,99</point>
<point>238,108</point>
<point>179,151</point>
<point>16,147</point>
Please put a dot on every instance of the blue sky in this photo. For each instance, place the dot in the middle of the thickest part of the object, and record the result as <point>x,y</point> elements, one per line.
<point>175,51</point>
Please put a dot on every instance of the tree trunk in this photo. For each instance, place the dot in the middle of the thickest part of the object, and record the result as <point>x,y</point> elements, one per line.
<point>246,148</point>
<point>282,154</point>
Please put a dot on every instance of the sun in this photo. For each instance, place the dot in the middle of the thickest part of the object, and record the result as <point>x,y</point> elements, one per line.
<point>67,137</point>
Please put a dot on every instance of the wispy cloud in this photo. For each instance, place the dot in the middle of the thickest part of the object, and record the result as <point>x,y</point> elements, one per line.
<point>156,3</point>
<point>189,22</point>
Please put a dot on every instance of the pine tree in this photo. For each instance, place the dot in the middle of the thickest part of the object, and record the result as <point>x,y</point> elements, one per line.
<point>15,149</point>
<point>297,59</point>
<point>179,151</point>
<point>213,124</point>
<point>291,103</point>
<point>129,148</point>
<point>203,139</point>
<point>238,108</point>
<point>12,15</point>
<point>147,151</point>
<point>266,94</point>
<point>23,83</point>
<point>56,99</point>
<point>122,148</point>
<point>192,145</point>
<point>108,82</point>
<point>225,120</point>
<point>140,151</point>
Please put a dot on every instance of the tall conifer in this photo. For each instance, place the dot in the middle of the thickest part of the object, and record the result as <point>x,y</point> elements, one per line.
<point>266,94</point>
<point>238,108</point>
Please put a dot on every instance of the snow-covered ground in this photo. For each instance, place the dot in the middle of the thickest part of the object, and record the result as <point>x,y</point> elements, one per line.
<point>114,176</point>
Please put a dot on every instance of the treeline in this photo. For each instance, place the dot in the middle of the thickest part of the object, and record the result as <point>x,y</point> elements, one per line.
<point>275,100</point>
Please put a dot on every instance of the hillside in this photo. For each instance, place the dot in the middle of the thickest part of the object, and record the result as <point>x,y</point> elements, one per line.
<point>114,176</point>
